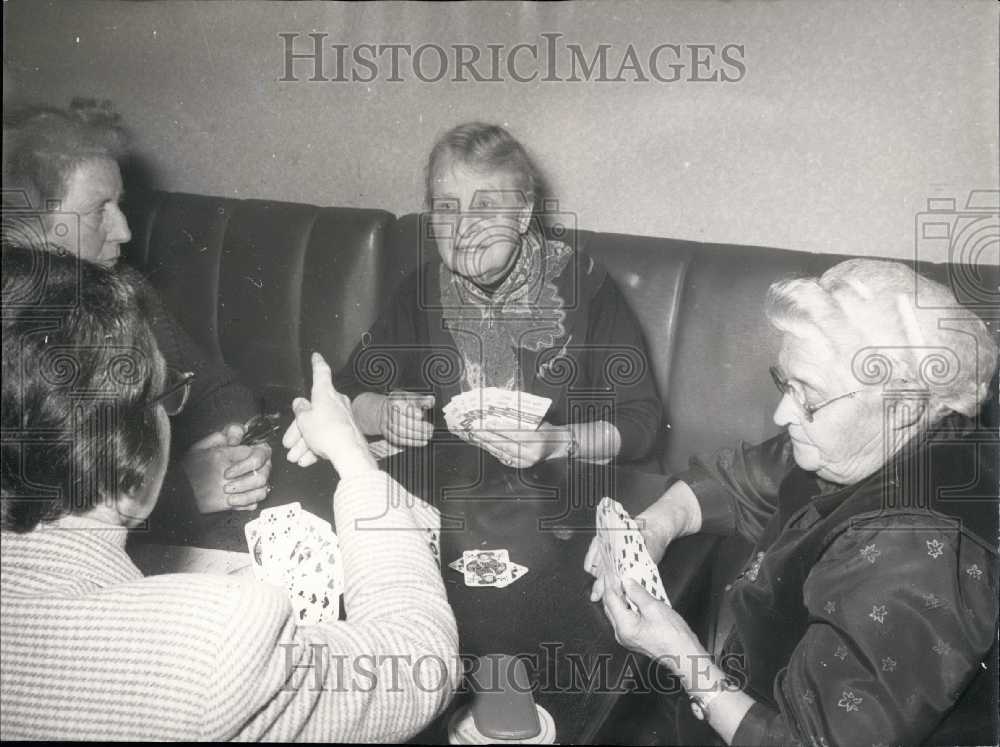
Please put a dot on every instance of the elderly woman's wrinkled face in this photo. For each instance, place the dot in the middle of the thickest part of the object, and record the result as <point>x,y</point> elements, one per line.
<point>92,193</point>
<point>478,221</point>
<point>844,441</point>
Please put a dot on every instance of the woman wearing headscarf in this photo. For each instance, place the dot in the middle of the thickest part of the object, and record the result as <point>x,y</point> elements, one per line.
<point>510,306</point>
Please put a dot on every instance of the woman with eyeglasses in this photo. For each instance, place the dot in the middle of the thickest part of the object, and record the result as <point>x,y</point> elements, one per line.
<point>69,157</point>
<point>92,650</point>
<point>869,602</point>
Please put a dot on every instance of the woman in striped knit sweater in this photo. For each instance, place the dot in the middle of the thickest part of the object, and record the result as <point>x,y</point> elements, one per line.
<point>90,648</point>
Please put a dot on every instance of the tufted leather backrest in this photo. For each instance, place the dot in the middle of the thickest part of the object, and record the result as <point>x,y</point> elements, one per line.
<point>262,283</point>
<point>178,241</point>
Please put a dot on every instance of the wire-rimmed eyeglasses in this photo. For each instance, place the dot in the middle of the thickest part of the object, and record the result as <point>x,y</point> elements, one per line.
<point>797,392</point>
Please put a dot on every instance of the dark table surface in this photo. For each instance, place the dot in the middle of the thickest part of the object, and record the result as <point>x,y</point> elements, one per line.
<point>544,517</point>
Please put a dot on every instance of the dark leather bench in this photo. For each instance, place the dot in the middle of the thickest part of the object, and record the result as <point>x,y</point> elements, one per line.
<point>262,283</point>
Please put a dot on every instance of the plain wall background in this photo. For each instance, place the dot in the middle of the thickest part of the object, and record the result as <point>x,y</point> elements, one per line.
<point>850,115</point>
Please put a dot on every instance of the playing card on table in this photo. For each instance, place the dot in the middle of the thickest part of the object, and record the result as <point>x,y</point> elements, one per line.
<point>488,568</point>
<point>514,572</point>
<point>624,551</point>
<point>485,567</point>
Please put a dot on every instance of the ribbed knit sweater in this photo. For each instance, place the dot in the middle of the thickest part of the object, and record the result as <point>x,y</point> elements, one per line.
<point>93,650</point>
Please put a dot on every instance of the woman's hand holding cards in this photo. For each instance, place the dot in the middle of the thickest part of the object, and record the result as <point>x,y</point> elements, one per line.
<point>324,428</point>
<point>675,514</point>
<point>653,629</point>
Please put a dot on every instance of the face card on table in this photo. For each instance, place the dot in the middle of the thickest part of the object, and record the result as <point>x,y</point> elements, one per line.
<point>514,572</point>
<point>485,567</point>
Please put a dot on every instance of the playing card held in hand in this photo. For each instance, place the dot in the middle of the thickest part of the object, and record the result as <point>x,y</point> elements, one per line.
<point>623,550</point>
<point>482,415</point>
<point>299,552</point>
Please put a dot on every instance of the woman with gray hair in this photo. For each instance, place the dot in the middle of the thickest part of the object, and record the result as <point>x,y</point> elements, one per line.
<point>62,188</point>
<point>869,603</point>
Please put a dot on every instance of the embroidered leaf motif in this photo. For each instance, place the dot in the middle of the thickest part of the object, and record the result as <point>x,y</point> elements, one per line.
<point>849,701</point>
<point>878,613</point>
<point>870,553</point>
<point>942,647</point>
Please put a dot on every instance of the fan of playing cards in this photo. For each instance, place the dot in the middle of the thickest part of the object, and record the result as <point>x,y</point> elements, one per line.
<point>488,568</point>
<point>471,414</point>
<point>299,552</point>
<point>624,552</point>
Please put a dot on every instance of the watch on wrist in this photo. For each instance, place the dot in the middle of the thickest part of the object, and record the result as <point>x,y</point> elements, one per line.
<point>702,700</point>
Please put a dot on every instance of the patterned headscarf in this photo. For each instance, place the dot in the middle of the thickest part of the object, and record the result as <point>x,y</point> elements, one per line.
<point>525,311</point>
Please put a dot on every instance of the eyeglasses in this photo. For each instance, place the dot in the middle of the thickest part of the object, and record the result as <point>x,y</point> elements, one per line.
<point>796,391</point>
<point>176,391</point>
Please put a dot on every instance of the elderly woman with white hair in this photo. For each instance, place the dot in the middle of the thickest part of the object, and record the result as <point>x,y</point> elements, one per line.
<point>870,600</point>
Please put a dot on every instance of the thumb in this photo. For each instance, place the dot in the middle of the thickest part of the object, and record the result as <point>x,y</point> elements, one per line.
<point>638,595</point>
<point>234,434</point>
<point>322,377</point>
<point>300,405</point>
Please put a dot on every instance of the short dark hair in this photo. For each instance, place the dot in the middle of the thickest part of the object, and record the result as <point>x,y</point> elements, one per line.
<point>488,148</point>
<point>79,372</point>
<point>42,146</point>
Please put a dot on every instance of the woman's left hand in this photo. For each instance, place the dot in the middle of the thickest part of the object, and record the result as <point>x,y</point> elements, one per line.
<point>525,448</point>
<point>225,475</point>
<point>653,629</point>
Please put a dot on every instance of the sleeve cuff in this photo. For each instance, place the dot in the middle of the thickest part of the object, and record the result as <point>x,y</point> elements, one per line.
<point>635,440</point>
<point>717,515</point>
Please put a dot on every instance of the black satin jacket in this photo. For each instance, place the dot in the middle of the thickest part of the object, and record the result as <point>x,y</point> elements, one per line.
<point>866,610</point>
